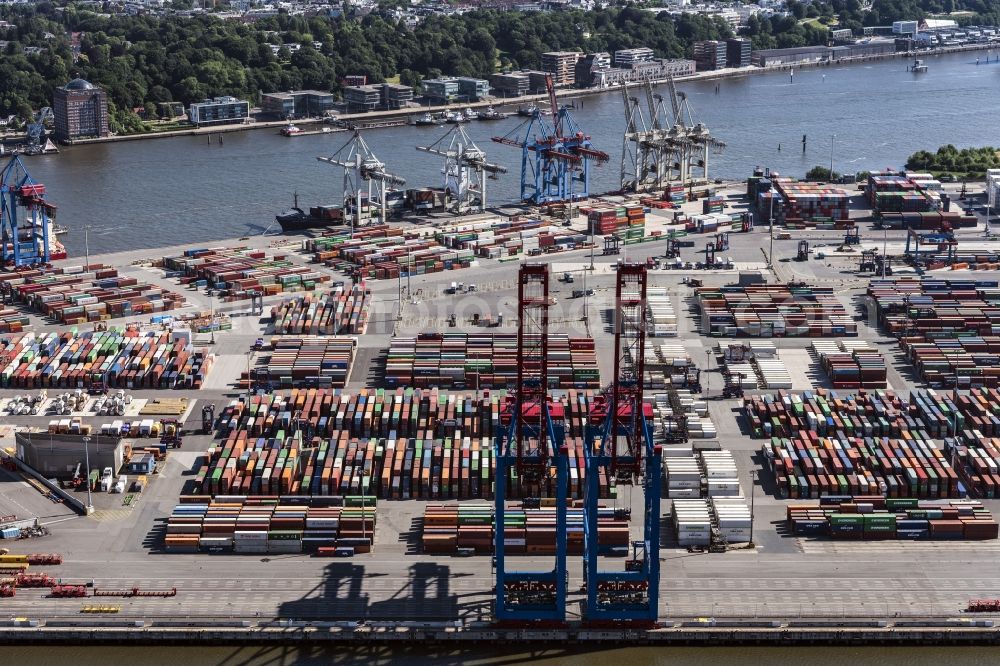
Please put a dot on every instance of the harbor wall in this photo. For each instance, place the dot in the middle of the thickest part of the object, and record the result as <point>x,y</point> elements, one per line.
<point>383,633</point>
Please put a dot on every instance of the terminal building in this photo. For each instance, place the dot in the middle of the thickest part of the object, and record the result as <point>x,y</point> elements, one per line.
<point>219,111</point>
<point>80,110</point>
<point>297,104</point>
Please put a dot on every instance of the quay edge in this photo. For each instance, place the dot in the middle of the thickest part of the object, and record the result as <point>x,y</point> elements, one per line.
<point>387,633</point>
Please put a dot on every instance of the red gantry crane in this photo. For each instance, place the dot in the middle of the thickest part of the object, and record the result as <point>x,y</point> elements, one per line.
<point>531,442</point>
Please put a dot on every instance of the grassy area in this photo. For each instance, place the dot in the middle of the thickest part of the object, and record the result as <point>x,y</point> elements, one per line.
<point>393,79</point>
<point>169,126</point>
<point>815,22</point>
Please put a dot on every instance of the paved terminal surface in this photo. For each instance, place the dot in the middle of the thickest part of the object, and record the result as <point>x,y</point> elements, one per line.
<point>784,577</point>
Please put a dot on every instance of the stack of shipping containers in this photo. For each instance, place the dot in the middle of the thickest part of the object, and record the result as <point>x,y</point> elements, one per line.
<point>821,443</point>
<point>851,364</point>
<point>407,444</point>
<point>258,525</point>
<point>79,294</point>
<point>878,517</point>
<point>344,310</point>
<point>773,311</point>
<point>129,360</point>
<point>241,271</point>
<point>463,360</point>
<point>296,360</point>
<point>528,531</point>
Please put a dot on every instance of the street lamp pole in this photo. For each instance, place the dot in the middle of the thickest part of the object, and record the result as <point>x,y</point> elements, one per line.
<point>86,241</point>
<point>770,252</point>
<point>885,251</point>
<point>753,494</point>
<point>708,368</point>
<point>86,457</point>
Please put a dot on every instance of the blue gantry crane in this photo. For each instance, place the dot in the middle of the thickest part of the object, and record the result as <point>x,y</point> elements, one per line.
<point>619,441</point>
<point>36,131</point>
<point>555,155</point>
<point>531,443</point>
<point>24,217</point>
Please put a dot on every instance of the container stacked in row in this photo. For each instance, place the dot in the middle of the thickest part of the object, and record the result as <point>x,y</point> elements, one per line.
<point>666,365</point>
<point>773,373</point>
<point>877,517</point>
<point>871,443</point>
<point>259,525</point>
<point>670,408</point>
<point>932,220</point>
<point>737,362</point>
<point>710,223</point>
<point>682,473</point>
<point>12,321</point>
<point>78,294</point>
<point>343,310</point>
<point>403,445</point>
<point>732,517</point>
<point>449,528</point>
<point>808,202</point>
<point>691,474</point>
<point>770,368</point>
<point>993,188</point>
<point>462,360</point>
<point>385,252</point>
<point>773,311</point>
<point>851,364</point>
<point>721,477</point>
<point>628,221</point>
<point>310,359</point>
<point>946,327</point>
<point>240,271</point>
<point>975,420</point>
<point>129,360</point>
<point>692,522</point>
<point>496,238</point>
<point>662,321</point>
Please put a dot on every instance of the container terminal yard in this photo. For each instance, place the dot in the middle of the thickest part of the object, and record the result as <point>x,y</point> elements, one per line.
<point>693,424</point>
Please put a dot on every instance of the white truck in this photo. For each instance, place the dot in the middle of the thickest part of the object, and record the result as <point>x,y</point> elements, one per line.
<point>107,480</point>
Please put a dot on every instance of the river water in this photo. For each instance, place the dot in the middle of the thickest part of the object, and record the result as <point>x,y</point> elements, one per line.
<point>168,191</point>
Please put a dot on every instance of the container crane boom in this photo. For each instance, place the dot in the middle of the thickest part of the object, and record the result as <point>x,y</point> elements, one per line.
<point>465,168</point>
<point>361,169</point>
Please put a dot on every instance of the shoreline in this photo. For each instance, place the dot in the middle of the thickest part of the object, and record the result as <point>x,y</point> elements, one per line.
<point>503,102</point>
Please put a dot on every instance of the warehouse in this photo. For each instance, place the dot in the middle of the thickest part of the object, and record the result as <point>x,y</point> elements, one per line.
<point>802,54</point>
<point>58,455</point>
